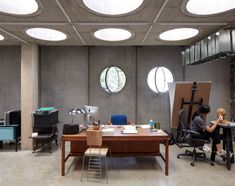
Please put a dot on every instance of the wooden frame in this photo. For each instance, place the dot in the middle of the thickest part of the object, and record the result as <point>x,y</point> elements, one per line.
<point>183,90</point>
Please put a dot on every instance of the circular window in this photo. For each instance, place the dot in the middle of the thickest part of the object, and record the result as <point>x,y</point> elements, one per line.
<point>158,78</point>
<point>112,79</point>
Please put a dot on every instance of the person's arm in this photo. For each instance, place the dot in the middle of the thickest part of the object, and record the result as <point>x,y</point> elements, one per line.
<point>212,128</point>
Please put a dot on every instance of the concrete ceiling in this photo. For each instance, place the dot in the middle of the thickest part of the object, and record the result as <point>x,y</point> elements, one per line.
<point>146,23</point>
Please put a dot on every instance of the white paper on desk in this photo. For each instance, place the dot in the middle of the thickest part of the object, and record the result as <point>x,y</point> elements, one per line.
<point>145,126</point>
<point>129,129</point>
<point>34,134</point>
<point>108,130</point>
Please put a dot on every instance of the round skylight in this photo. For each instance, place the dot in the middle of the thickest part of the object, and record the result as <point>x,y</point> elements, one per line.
<point>208,7</point>
<point>46,34</point>
<point>158,79</point>
<point>18,7</point>
<point>1,37</point>
<point>113,7</point>
<point>112,34</point>
<point>178,34</point>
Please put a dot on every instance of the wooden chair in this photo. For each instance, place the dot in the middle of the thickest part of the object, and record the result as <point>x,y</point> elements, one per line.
<point>95,152</point>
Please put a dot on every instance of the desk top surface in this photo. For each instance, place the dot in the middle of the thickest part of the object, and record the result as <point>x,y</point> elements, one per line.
<point>118,133</point>
<point>229,124</point>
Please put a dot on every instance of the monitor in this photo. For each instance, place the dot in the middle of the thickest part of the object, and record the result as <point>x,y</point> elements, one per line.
<point>91,114</point>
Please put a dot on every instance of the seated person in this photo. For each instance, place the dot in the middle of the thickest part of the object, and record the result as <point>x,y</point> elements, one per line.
<point>221,112</point>
<point>206,131</point>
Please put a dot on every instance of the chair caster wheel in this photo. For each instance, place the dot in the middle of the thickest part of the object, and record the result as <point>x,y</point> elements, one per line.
<point>212,164</point>
<point>178,157</point>
<point>192,164</point>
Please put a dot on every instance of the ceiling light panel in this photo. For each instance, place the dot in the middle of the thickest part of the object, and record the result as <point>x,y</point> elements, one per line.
<point>178,34</point>
<point>18,7</point>
<point>209,7</point>
<point>113,7</point>
<point>112,34</point>
<point>46,34</point>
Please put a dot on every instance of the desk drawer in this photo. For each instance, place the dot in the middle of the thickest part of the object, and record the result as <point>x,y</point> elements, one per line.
<point>6,133</point>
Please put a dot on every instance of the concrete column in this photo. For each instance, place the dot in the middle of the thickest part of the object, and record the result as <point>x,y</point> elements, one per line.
<point>29,91</point>
<point>232,83</point>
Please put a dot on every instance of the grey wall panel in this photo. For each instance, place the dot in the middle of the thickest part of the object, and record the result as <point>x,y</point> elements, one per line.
<point>64,79</point>
<point>217,72</point>
<point>9,78</point>
<point>124,101</point>
<point>149,104</point>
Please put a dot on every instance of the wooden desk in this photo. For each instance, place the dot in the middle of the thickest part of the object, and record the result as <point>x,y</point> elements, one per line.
<point>144,143</point>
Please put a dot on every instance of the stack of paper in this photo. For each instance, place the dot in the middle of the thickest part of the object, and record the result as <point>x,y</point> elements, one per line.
<point>129,129</point>
<point>108,131</point>
<point>34,134</point>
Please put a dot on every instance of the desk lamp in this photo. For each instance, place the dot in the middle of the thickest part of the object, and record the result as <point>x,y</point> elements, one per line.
<point>75,111</point>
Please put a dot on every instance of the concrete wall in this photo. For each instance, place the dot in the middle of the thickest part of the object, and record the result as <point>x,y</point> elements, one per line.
<point>64,79</point>
<point>219,73</point>
<point>149,104</point>
<point>9,78</point>
<point>70,77</point>
<point>124,101</point>
<point>66,71</point>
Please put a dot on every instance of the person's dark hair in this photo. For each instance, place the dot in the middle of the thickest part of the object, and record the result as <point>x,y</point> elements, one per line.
<point>203,109</point>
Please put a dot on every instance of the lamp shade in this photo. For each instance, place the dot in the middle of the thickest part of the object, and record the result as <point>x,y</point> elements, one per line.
<point>75,111</point>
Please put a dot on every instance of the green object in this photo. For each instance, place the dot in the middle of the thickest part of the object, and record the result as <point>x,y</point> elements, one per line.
<point>158,125</point>
<point>46,108</point>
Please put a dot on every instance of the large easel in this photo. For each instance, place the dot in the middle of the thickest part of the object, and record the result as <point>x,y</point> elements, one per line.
<point>187,96</point>
<point>180,139</point>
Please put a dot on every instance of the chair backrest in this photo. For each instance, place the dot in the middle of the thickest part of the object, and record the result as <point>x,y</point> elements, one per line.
<point>13,117</point>
<point>94,137</point>
<point>183,119</point>
<point>119,119</point>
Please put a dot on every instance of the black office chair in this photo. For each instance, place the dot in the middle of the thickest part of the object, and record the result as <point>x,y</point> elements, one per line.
<point>181,131</point>
<point>190,137</point>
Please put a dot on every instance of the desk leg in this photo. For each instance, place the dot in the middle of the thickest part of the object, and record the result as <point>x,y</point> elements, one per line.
<point>166,157</point>
<point>227,149</point>
<point>16,143</point>
<point>62,157</point>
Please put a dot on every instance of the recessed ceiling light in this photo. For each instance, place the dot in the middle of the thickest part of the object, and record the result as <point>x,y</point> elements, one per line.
<point>208,7</point>
<point>17,7</point>
<point>112,34</point>
<point>46,34</point>
<point>1,37</point>
<point>113,7</point>
<point>178,34</point>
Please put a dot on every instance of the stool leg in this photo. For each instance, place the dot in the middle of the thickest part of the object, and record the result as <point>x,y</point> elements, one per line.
<point>106,169</point>
<point>82,167</point>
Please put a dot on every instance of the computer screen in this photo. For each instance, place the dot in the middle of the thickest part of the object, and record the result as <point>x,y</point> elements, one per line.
<point>91,114</point>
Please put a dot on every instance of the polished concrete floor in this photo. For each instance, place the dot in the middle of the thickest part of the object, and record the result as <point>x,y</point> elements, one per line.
<point>23,168</point>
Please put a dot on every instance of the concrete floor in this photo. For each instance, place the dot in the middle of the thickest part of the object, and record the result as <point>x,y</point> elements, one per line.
<point>23,168</point>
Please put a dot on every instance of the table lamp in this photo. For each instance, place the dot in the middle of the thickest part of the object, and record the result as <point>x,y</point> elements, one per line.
<point>75,111</point>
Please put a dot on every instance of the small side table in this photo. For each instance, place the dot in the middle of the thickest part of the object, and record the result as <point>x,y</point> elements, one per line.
<point>11,133</point>
<point>227,144</point>
<point>43,139</point>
